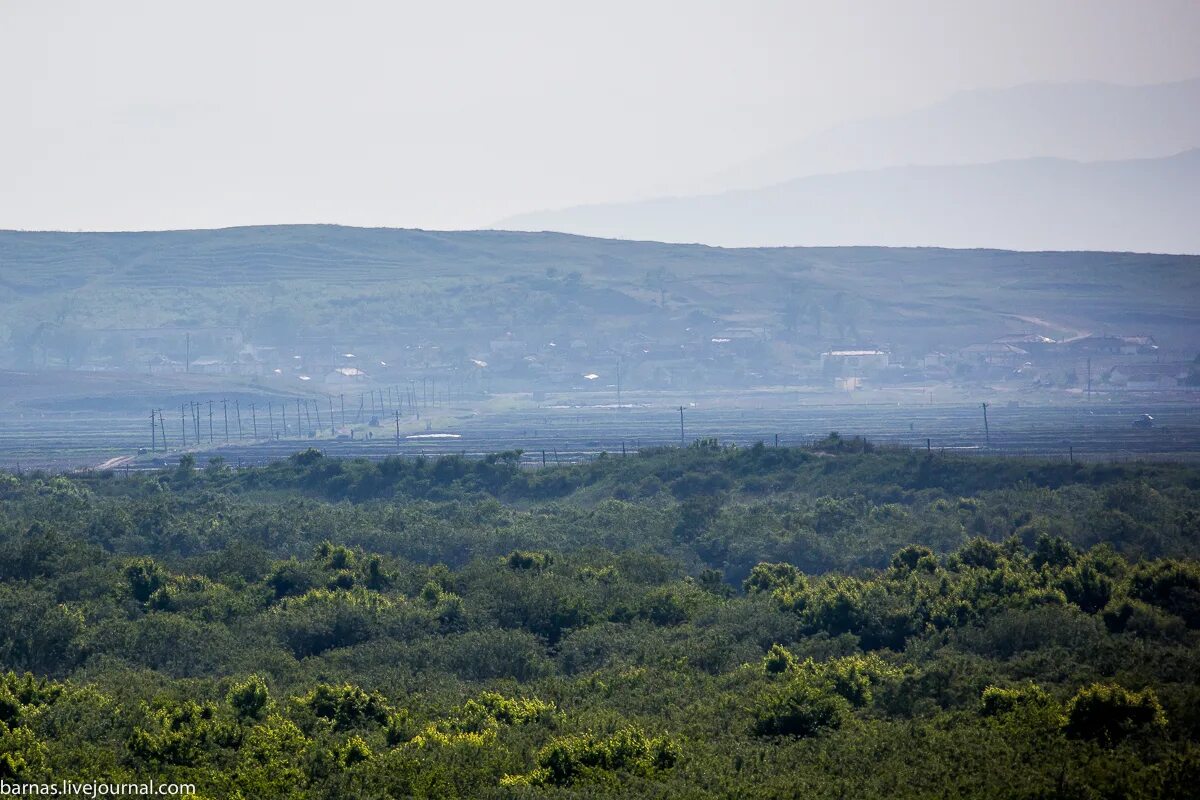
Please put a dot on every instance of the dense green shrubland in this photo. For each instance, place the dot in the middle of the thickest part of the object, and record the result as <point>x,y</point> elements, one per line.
<point>752,622</point>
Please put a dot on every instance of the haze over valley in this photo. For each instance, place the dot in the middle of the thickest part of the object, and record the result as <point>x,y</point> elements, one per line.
<point>752,217</point>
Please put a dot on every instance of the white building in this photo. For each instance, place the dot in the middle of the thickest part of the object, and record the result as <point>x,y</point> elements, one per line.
<point>343,376</point>
<point>855,360</point>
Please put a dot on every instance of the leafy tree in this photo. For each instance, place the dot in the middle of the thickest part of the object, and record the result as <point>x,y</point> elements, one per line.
<point>521,560</point>
<point>998,700</point>
<point>914,557</point>
<point>770,577</point>
<point>144,577</point>
<point>250,698</point>
<point>346,706</point>
<point>798,708</point>
<point>1172,586</point>
<point>1086,586</point>
<point>1109,713</point>
<point>778,660</point>
<point>586,757</point>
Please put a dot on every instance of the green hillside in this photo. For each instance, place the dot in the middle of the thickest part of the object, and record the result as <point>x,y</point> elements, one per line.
<point>459,290</point>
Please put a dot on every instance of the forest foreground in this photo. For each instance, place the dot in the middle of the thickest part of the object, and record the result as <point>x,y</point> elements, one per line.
<point>829,621</point>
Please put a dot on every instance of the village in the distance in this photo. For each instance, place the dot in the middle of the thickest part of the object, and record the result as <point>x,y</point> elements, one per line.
<point>1030,364</point>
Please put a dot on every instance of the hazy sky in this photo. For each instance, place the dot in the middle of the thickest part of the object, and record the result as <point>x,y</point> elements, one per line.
<point>139,115</point>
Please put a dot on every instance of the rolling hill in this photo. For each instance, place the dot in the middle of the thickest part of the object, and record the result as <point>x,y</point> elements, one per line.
<point>451,295</point>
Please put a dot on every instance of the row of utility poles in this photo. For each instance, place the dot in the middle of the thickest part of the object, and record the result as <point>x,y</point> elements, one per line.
<point>197,424</point>
<point>192,415</point>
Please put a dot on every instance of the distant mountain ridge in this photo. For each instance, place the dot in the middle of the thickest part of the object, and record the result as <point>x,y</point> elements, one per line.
<point>1089,121</point>
<point>1139,205</point>
<point>1074,166</point>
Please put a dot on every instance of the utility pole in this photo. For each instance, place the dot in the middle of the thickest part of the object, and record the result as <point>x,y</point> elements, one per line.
<point>254,421</point>
<point>153,434</point>
<point>307,416</point>
<point>397,413</point>
<point>210,428</point>
<point>225,413</point>
<point>283,413</point>
<point>332,424</point>
<point>162,428</point>
<point>987,433</point>
<point>196,420</point>
<point>342,403</point>
<point>618,384</point>
<point>317,408</point>
<point>681,440</point>
<point>271,419</point>
<point>182,425</point>
<point>237,407</point>
<point>299,426</point>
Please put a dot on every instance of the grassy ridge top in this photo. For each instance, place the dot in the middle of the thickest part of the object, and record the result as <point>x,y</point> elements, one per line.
<point>271,252</point>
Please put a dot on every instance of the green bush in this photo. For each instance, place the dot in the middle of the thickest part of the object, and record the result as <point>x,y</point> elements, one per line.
<point>1108,713</point>
<point>778,660</point>
<point>588,757</point>
<point>347,706</point>
<point>249,699</point>
<point>998,701</point>
<point>798,708</point>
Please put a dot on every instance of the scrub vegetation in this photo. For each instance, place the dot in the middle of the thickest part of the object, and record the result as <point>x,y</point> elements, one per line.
<point>831,621</point>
